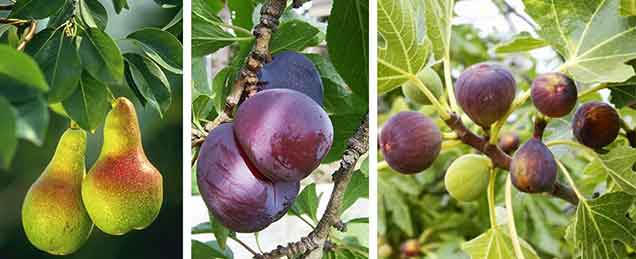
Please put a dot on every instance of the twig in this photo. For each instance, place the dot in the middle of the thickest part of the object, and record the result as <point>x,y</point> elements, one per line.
<point>13,21</point>
<point>244,245</point>
<point>511,9</point>
<point>6,7</point>
<point>357,145</point>
<point>499,158</point>
<point>247,82</point>
<point>30,33</point>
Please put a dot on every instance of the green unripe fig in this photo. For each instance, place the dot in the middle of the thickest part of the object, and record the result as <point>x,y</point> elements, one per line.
<point>467,177</point>
<point>123,190</point>
<point>53,215</point>
<point>430,79</point>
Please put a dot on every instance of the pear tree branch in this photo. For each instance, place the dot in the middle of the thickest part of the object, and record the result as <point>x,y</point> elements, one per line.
<point>311,245</point>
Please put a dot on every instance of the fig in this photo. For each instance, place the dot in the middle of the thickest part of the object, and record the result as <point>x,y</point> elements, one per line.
<point>430,79</point>
<point>283,133</point>
<point>467,177</point>
<point>53,215</point>
<point>410,142</point>
<point>596,124</point>
<point>485,92</point>
<point>533,168</point>
<point>233,189</point>
<point>291,70</point>
<point>554,94</point>
<point>508,142</point>
<point>410,248</point>
<point>123,190</point>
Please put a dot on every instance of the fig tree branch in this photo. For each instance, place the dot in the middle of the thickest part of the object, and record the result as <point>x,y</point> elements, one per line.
<point>499,158</point>
<point>312,244</point>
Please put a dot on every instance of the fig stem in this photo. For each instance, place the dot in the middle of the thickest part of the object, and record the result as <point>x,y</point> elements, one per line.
<point>592,90</point>
<point>491,198</point>
<point>438,106</point>
<point>449,135</point>
<point>511,220</point>
<point>570,180</point>
<point>539,126</point>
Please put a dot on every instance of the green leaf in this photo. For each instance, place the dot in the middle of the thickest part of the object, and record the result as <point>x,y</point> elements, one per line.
<point>294,35</point>
<point>595,41</point>
<point>101,57</point>
<point>89,104</point>
<point>120,5</point>
<point>438,14</point>
<point>8,134</point>
<point>150,81</point>
<point>161,46</point>
<point>208,250</point>
<point>208,35</point>
<point>400,55</point>
<point>345,108</point>
<point>624,93</point>
<point>496,244</point>
<point>242,12</point>
<point>628,7</point>
<point>395,204</point>
<point>347,40</point>
<point>618,164</point>
<point>32,120</point>
<point>307,203</point>
<point>36,9</point>
<point>21,68</point>
<point>5,27</point>
<point>520,43</point>
<point>200,82</point>
<point>93,14</point>
<point>62,15</point>
<point>60,64</point>
<point>221,87</point>
<point>357,188</point>
<point>600,223</point>
<point>220,232</point>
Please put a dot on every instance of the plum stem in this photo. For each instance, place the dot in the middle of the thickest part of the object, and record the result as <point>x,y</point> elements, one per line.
<point>311,244</point>
<point>28,36</point>
<point>499,158</point>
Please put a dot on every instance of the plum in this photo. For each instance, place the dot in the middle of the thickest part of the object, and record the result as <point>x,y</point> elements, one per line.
<point>430,79</point>
<point>291,70</point>
<point>554,94</point>
<point>234,191</point>
<point>410,142</point>
<point>508,142</point>
<point>283,133</point>
<point>596,124</point>
<point>533,168</point>
<point>485,92</point>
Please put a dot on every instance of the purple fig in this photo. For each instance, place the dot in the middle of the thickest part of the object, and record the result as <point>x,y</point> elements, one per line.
<point>485,92</point>
<point>410,142</point>
<point>596,124</point>
<point>554,94</point>
<point>533,168</point>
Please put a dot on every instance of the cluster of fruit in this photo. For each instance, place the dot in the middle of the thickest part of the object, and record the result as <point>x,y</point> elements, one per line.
<point>249,171</point>
<point>123,190</point>
<point>411,141</point>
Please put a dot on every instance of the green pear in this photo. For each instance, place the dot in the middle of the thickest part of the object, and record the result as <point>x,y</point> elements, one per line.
<point>123,190</point>
<point>53,215</point>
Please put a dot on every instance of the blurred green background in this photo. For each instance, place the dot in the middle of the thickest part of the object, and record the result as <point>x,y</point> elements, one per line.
<point>162,140</point>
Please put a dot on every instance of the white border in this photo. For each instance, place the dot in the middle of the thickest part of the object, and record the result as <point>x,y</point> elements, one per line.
<point>187,114</point>
<point>373,122</point>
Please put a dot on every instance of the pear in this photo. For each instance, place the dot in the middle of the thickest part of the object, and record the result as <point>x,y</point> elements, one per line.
<point>123,190</point>
<point>53,215</point>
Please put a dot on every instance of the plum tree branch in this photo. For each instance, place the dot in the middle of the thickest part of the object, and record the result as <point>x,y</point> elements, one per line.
<point>6,7</point>
<point>247,82</point>
<point>499,158</point>
<point>311,244</point>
